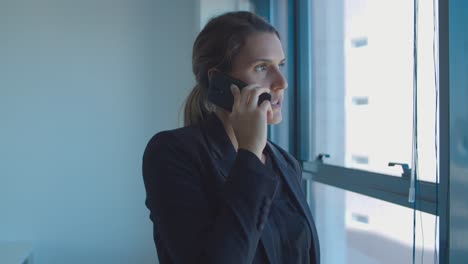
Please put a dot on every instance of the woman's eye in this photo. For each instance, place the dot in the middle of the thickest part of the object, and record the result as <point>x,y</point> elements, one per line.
<point>281,65</point>
<point>260,68</point>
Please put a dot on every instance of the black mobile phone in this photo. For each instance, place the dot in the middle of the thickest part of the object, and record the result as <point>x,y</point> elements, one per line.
<point>220,94</point>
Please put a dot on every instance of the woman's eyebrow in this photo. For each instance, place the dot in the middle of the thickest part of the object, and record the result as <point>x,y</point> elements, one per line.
<point>267,60</point>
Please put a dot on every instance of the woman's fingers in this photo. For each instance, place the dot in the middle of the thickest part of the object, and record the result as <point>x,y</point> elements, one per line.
<point>265,107</point>
<point>245,93</point>
<point>255,94</point>
<point>249,96</point>
<point>249,121</point>
<point>237,96</point>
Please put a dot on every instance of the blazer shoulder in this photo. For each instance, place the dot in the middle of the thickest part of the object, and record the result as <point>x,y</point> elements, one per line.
<point>171,149</point>
<point>185,137</point>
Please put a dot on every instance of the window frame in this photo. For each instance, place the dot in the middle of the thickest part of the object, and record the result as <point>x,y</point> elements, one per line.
<point>432,198</point>
<point>385,187</point>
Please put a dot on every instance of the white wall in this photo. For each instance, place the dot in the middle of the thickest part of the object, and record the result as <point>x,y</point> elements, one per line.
<point>211,8</point>
<point>83,86</point>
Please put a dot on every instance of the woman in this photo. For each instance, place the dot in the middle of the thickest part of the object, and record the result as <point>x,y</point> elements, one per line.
<point>217,190</point>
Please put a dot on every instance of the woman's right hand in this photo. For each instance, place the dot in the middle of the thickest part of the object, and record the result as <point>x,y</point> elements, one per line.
<point>248,120</point>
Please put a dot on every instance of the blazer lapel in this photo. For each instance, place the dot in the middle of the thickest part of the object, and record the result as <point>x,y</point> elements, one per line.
<point>288,174</point>
<point>221,148</point>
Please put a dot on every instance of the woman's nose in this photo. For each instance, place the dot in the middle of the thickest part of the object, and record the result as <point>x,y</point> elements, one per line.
<point>278,82</point>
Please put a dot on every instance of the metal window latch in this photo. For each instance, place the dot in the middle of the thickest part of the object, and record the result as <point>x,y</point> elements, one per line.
<point>406,169</point>
<point>320,157</point>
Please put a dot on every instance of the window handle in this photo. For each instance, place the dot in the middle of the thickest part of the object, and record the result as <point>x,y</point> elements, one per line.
<point>320,157</point>
<point>406,169</point>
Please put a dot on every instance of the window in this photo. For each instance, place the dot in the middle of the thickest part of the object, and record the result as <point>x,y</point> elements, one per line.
<point>362,79</point>
<point>357,101</point>
<point>354,228</point>
<point>351,106</point>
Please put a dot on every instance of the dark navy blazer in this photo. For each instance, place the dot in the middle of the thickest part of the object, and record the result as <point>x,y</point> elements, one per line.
<point>209,203</point>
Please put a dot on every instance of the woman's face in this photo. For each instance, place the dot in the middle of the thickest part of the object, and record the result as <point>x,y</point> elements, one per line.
<point>260,62</point>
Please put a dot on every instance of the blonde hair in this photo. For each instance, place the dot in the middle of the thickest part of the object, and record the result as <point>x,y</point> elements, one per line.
<point>196,107</point>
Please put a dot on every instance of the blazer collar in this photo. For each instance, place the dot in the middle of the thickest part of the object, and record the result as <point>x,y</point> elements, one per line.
<point>219,143</point>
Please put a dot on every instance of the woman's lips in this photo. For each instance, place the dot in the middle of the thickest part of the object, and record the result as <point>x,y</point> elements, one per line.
<point>276,104</point>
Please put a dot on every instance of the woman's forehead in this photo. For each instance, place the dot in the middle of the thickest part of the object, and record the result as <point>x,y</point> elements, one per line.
<point>262,46</point>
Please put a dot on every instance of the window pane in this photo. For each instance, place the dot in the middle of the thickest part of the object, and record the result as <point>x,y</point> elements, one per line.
<point>354,228</point>
<point>363,84</point>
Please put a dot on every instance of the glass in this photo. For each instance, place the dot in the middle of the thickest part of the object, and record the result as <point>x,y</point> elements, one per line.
<point>363,84</point>
<point>354,228</point>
